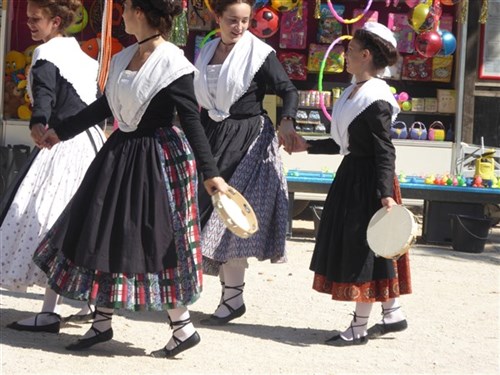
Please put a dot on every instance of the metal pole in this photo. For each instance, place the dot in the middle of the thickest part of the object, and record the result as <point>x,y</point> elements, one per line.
<point>459,87</point>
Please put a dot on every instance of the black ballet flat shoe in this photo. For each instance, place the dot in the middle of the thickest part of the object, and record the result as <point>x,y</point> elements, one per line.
<point>192,341</point>
<point>49,328</point>
<point>81,344</point>
<point>339,341</point>
<point>233,314</point>
<point>382,329</point>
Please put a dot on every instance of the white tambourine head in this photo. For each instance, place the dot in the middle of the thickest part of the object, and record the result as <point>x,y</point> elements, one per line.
<point>236,213</point>
<point>391,233</point>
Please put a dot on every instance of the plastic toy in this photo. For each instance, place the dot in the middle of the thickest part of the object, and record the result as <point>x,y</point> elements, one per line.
<point>265,22</point>
<point>284,5</point>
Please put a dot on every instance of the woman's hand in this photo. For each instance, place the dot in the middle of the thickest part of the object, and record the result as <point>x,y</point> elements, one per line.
<point>49,139</point>
<point>388,203</point>
<point>287,135</point>
<point>37,133</point>
<point>215,184</point>
<point>300,144</point>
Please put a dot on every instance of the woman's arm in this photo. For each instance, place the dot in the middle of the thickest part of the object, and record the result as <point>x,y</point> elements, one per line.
<point>43,88</point>
<point>87,117</point>
<point>274,76</point>
<point>181,92</point>
<point>323,146</point>
<point>379,116</point>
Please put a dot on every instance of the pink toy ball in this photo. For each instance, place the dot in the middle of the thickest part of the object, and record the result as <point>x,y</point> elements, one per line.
<point>449,43</point>
<point>403,96</point>
<point>428,44</point>
<point>265,22</point>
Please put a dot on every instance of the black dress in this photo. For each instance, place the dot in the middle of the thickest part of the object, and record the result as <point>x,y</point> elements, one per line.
<point>343,263</point>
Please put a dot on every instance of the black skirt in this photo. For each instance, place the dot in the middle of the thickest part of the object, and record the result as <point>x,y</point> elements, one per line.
<point>342,253</point>
<point>119,219</point>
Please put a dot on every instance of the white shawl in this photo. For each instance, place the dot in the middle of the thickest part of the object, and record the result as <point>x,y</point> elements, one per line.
<point>74,65</point>
<point>346,110</point>
<point>165,64</point>
<point>236,74</point>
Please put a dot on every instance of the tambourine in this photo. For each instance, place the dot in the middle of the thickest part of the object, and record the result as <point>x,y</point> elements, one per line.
<point>236,213</point>
<point>390,234</point>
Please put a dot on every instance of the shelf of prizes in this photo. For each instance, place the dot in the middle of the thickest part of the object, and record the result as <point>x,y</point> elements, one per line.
<point>310,38</point>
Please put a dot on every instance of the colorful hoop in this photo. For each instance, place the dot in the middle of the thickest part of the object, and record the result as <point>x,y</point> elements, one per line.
<point>352,20</point>
<point>208,36</point>
<point>320,75</point>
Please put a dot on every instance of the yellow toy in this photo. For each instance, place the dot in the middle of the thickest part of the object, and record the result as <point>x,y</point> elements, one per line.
<point>24,111</point>
<point>14,62</point>
<point>485,165</point>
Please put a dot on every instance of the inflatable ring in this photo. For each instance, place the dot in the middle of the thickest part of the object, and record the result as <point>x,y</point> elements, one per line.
<point>321,70</point>
<point>342,20</point>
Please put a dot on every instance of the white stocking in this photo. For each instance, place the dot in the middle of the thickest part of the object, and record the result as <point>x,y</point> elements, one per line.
<point>180,323</point>
<point>358,326</point>
<point>392,312</point>
<point>234,277</point>
<point>49,305</point>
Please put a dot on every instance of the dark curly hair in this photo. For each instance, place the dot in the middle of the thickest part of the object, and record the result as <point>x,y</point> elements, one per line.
<point>219,6</point>
<point>159,13</point>
<point>64,9</point>
<point>384,54</point>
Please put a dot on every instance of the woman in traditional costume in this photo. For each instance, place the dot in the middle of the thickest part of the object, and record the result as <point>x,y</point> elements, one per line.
<point>235,72</point>
<point>62,80</point>
<point>130,238</point>
<point>343,263</point>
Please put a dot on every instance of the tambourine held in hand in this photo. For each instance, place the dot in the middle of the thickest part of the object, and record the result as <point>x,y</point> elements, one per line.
<point>390,234</point>
<point>236,213</point>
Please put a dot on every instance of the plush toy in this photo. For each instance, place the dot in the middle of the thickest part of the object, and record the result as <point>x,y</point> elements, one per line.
<point>81,20</point>
<point>24,110</point>
<point>15,62</point>
<point>13,99</point>
<point>92,46</point>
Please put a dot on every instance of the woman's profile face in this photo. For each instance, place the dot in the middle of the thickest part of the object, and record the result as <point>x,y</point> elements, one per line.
<point>41,25</point>
<point>128,15</point>
<point>234,21</point>
<point>354,57</point>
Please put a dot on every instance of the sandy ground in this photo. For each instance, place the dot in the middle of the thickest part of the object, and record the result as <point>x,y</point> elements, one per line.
<point>453,318</point>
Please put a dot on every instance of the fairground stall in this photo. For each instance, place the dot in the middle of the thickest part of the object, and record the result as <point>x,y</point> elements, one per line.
<point>447,82</point>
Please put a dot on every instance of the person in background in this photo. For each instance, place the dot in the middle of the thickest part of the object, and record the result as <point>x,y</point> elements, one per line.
<point>344,265</point>
<point>235,72</point>
<point>130,238</point>
<point>62,81</point>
